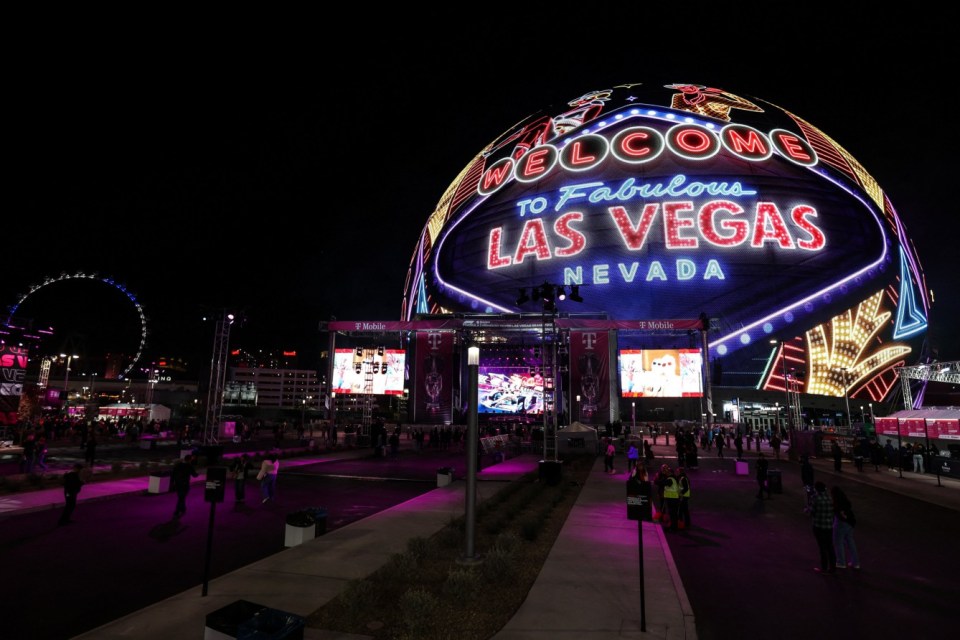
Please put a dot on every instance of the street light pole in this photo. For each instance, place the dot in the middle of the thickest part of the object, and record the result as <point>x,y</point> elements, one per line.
<point>846,395</point>
<point>786,388</point>
<point>473,366</point>
<point>66,378</point>
<point>579,417</point>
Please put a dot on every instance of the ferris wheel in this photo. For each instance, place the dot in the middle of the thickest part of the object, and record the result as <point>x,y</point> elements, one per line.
<point>109,282</point>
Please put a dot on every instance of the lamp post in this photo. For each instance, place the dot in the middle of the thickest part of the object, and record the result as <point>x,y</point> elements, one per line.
<point>873,418</point>
<point>473,365</point>
<point>633,415</point>
<point>66,378</point>
<point>776,408</point>
<point>846,395</point>
<point>579,417</point>
<point>786,384</point>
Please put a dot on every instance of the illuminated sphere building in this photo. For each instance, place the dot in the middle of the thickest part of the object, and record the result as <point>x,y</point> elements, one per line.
<point>672,201</point>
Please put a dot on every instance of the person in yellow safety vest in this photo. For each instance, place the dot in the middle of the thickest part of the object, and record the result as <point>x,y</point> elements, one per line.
<point>683,513</point>
<point>671,495</point>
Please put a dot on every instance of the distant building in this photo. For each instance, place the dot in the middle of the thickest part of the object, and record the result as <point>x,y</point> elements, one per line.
<point>273,388</point>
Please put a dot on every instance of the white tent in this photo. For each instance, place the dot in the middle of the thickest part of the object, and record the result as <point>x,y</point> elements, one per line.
<point>577,438</point>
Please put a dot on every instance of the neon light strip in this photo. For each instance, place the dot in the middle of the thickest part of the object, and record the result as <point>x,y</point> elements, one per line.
<point>835,285</point>
<point>439,248</point>
<point>766,369</point>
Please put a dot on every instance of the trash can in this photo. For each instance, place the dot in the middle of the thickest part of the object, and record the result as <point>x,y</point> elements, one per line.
<point>225,622</point>
<point>213,454</point>
<point>444,476</point>
<point>319,515</point>
<point>272,624</point>
<point>775,481</point>
<point>159,482</point>
<point>550,472</point>
<point>301,526</point>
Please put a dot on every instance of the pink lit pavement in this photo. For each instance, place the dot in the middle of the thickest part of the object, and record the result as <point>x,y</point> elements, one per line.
<point>589,586</point>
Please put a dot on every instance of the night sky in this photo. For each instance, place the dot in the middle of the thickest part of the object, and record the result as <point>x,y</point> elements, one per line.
<point>283,173</point>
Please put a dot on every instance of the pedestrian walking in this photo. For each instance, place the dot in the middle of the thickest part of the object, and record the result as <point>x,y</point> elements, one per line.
<point>608,457</point>
<point>806,478</point>
<point>775,443</point>
<point>71,489</point>
<point>90,452</point>
<point>844,521</point>
<point>918,459</point>
<point>42,453</point>
<point>822,515</point>
<point>876,455</point>
<point>763,482</point>
<point>633,456</point>
<point>683,511</point>
<point>183,471</point>
<point>268,477</point>
<point>738,443</point>
<point>837,457</point>
<point>671,497</point>
<point>647,452</point>
<point>659,480</point>
<point>720,445</point>
<point>241,469</point>
<point>29,454</point>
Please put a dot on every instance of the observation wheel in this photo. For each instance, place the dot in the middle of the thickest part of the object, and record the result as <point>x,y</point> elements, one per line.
<point>76,300</point>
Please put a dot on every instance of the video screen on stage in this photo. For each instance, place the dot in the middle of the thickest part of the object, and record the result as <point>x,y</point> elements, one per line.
<point>511,390</point>
<point>661,373</point>
<point>369,371</point>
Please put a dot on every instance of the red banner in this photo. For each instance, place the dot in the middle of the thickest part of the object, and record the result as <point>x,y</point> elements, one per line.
<point>887,426</point>
<point>589,376</point>
<point>944,429</point>
<point>13,370</point>
<point>433,391</point>
<point>913,428</point>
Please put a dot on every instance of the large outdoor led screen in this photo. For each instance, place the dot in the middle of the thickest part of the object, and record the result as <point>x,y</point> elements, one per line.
<point>512,390</point>
<point>370,373</point>
<point>661,373</point>
<point>668,201</point>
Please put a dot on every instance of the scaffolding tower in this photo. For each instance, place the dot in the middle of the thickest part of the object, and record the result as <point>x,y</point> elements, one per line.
<point>218,375</point>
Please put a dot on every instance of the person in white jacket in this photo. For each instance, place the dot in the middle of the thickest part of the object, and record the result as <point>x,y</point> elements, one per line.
<point>268,477</point>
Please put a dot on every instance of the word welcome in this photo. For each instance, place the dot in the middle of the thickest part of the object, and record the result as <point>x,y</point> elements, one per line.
<point>639,145</point>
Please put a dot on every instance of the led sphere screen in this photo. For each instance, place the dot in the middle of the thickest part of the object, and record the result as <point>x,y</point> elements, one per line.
<point>668,201</point>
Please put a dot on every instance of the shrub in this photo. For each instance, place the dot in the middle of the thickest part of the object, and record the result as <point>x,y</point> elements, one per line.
<point>419,548</point>
<point>419,608</point>
<point>507,542</point>
<point>530,528</point>
<point>461,584</point>
<point>498,565</point>
<point>400,567</point>
<point>356,597</point>
<point>449,537</point>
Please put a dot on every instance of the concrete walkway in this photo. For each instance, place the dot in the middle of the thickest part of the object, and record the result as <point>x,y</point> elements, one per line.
<point>602,603</point>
